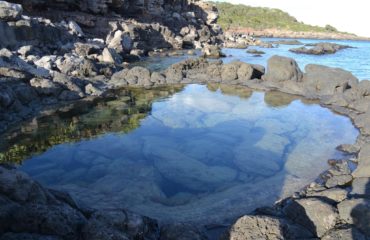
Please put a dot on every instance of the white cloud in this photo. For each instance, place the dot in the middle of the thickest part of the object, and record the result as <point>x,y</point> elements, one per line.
<point>350,16</point>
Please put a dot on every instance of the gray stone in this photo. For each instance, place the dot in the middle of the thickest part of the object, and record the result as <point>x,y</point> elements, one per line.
<point>19,187</point>
<point>138,76</point>
<point>356,212</point>
<point>45,87</point>
<point>117,224</point>
<point>317,216</point>
<point>75,29</point>
<point>59,220</point>
<point>121,42</point>
<point>265,227</point>
<point>6,97</point>
<point>320,48</point>
<point>92,90</point>
<point>322,80</point>
<point>211,51</point>
<point>25,93</point>
<point>349,148</point>
<point>280,69</point>
<point>158,78</point>
<point>344,234</point>
<point>363,168</point>
<point>229,73</point>
<point>361,186</point>
<point>338,180</point>
<point>68,95</point>
<point>110,55</point>
<point>335,194</point>
<point>10,11</point>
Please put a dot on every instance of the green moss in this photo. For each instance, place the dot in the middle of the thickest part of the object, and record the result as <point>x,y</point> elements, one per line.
<point>258,18</point>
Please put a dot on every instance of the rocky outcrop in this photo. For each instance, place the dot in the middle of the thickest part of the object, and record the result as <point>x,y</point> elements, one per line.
<point>242,41</point>
<point>32,80</point>
<point>282,33</point>
<point>29,211</point>
<point>320,48</point>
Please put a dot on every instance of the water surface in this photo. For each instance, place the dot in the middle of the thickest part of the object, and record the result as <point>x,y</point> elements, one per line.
<point>200,154</point>
<point>355,60</point>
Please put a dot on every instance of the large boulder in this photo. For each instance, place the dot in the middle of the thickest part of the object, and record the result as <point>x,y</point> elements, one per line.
<point>10,11</point>
<point>61,220</point>
<point>322,80</point>
<point>265,227</point>
<point>317,216</point>
<point>119,224</point>
<point>281,69</point>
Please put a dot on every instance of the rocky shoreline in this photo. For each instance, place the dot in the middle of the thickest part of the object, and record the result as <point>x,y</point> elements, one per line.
<point>42,73</point>
<point>329,208</point>
<point>277,33</point>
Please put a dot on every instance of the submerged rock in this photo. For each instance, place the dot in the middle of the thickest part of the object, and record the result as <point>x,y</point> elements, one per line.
<point>186,171</point>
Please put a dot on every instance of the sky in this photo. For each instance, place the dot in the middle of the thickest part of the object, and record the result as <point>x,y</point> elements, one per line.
<point>348,16</point>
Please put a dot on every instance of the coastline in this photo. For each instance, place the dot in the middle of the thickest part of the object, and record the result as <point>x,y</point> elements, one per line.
<point>276,33</point>
<point>79,71</point>
<point>327,203</point>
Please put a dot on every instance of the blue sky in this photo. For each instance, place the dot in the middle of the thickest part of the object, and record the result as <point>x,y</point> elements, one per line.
<point>350,16</point>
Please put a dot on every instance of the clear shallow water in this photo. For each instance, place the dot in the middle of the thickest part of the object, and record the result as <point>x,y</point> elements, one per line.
<point>355,60</point>
<point>206,154</point>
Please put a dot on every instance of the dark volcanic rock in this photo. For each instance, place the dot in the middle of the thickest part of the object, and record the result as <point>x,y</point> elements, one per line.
<point>28,211</point>
<point>320,49</point>
<point>287,42</point>
<point>280,69</point>
<point>255,51</point>
<point>322,80</point>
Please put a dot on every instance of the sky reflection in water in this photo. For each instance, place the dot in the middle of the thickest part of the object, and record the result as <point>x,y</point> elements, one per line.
<point>206,154</point>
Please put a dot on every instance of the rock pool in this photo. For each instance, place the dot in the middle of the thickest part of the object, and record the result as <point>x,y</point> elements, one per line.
<point>197,153</point>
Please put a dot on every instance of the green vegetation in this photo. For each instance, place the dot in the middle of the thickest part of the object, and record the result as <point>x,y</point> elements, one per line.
<point>258,18</point>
